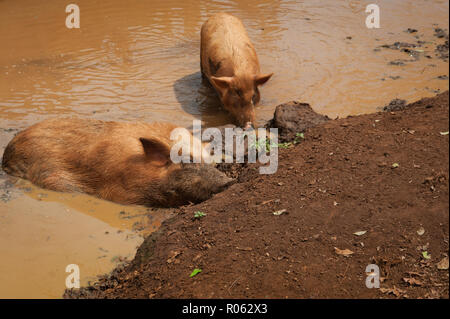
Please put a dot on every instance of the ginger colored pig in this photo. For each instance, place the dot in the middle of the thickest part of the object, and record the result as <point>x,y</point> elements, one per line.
<point>128,163</point>
<point>228,60</point>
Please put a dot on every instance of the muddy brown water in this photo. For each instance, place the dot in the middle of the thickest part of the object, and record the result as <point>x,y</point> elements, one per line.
<point>139,60</point>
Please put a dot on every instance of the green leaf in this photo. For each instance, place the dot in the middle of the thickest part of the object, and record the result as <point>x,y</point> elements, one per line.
<point>195,272</point>
<point>395,165</point>
<point>199,214</point>
<point>444,133</point>
<point>284,145</point>
<point>425,255</point>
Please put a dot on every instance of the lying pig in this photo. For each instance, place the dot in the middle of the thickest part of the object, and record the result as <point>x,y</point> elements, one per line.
<point>228,60</point>
<point>128,163</point>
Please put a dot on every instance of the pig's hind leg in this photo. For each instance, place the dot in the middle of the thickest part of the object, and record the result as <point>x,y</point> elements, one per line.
<point>55,181</point>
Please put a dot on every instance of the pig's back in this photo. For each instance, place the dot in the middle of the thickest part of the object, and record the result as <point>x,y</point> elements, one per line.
<point>49,152</point>
<point>226,48</point>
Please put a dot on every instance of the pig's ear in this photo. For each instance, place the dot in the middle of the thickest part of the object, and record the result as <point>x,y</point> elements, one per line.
<point>222,83</point>
<point>261,79</point>
<point>155,150</point>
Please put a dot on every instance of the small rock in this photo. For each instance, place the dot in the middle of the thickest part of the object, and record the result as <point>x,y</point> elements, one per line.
<point>443,264</point>
<point>343,252</point>
<point>279,212</point>
<point>294,117</point>
<point>420,231</point>
<point>397,62</point>
<point>395,105</point>
<point>410,30</point>
<point>440,33</point>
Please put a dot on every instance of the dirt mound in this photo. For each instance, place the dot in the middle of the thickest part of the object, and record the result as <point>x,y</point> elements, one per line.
<point>370,189</point>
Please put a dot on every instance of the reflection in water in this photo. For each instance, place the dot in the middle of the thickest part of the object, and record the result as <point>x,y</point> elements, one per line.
<point>139,60</point>
<point>198,98</point>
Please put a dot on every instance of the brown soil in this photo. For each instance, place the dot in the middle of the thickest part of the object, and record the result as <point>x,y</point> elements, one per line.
<point>338,180</point>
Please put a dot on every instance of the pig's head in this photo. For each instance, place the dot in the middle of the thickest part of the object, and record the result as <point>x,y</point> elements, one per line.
<point>184,182</point>
<point>239,95</point>
<point>196,182</point>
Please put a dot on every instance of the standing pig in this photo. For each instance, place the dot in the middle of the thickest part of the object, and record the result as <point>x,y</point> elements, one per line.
<point>228,60</point>
<point>128,163</point>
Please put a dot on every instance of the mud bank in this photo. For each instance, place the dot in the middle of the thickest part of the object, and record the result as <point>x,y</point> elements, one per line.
<point>369,189</point>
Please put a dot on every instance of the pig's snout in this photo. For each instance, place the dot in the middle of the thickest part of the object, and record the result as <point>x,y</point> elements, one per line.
<point>249,126</point>
<point>245,116</point>
<point>217,184</point>
<point>225,182</point>
<point>196,183</point>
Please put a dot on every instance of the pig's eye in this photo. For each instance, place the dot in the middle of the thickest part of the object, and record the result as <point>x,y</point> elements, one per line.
<point>238,92</point>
